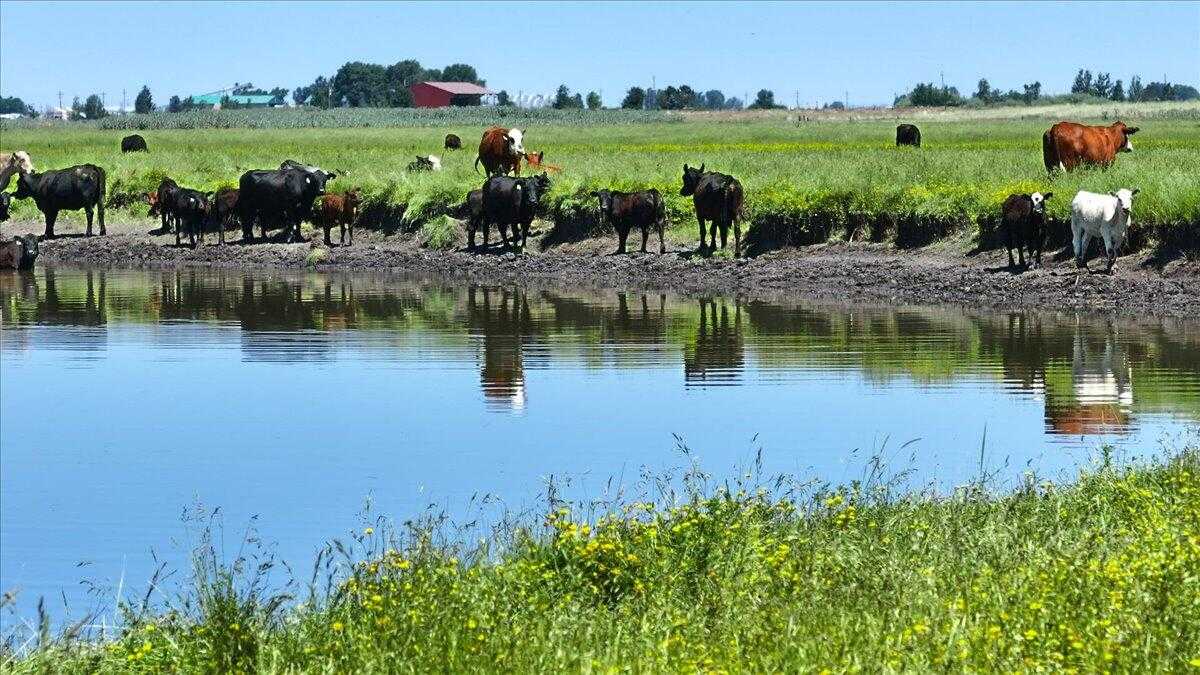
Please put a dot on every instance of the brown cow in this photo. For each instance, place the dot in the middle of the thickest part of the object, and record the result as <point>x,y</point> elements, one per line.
<point>535,160</point>
<point>1066,145</point>
<point>500,150</point>
<point>339,210</point>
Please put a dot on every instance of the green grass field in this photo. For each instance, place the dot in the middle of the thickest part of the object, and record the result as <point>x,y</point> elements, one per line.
<point>805,181</point>
<point>707,576</point>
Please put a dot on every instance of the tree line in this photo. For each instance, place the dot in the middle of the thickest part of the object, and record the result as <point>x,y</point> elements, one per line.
<point>1085,87</point>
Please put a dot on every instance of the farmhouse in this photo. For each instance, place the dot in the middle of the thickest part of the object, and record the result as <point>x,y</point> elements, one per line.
<point>441,94</point>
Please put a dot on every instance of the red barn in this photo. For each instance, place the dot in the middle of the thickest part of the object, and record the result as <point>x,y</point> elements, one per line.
<point>441,94</point>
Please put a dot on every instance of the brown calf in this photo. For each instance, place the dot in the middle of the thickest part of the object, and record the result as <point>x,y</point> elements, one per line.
<point>339,210</point>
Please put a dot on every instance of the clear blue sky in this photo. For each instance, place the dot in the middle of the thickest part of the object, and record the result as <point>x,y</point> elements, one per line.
<point>821,50</point>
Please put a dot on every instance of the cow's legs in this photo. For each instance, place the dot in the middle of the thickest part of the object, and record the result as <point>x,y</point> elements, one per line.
<point>645,236</point>
<point>622,235</point>
<point>328,241</point>
<point>724,234</point>
<point>737,239</point>
<point>1077,244</point>
<point>178,227</point>
<point>1081,259</point>
<point>89,212</point>
<point>51,216</point>
<point>1008,245</point>
<point>701,221</point>
<point>662,243</point>
<point>1110,249</point>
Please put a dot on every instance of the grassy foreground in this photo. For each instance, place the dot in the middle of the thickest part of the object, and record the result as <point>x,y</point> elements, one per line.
<point>806,181</point>
<point>1097,576</point>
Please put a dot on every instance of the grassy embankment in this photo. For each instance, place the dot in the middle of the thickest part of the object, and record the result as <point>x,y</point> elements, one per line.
<point>834,177</point>
<point>1099,575</point>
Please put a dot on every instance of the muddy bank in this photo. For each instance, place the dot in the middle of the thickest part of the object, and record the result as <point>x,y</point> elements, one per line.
<point>939,274</point>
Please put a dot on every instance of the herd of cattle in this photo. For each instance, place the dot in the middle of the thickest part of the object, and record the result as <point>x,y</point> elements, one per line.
<point>296,192</point>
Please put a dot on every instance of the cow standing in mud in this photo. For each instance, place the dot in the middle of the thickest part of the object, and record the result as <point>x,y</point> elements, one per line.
<point>718,199</point>
<point>284,197</point>
<point>500,151</point>
<point>1067,145</point>
<point>626,210</point>
<point>1023,218</point>
<point>1107,216</point>
<point>70,189</point>
<point>512,202</point>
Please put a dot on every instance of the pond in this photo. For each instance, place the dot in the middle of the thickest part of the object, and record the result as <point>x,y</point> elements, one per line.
<point>130,397</point>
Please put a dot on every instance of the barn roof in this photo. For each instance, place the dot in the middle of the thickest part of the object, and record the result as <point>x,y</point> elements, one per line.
<point>459,88</point>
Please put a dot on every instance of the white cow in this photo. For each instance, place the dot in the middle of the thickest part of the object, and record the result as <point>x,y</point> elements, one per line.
<point>1097,215</point>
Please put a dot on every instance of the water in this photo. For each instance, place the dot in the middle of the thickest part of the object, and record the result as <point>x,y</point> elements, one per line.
<point>129,397</point>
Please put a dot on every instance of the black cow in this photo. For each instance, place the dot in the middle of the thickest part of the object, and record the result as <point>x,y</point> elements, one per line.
<point>284,196</point>
<point>422,164</point>
<point>162,202</point>
<point>70,189</point>
<point>908,134</point>
<point>472,211</point>
<point>626,210</point>
<point>190,208</point>
<point>512,202</point>
<point>134,143</point>
<point>4,200</point>
<point>1023,218</point>
<point>717,198</point>
<point>19,253</point>
<point>223,210</point>
<point>453,142</point>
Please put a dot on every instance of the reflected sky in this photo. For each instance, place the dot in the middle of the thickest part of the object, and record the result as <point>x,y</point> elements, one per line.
<point>129,396</point>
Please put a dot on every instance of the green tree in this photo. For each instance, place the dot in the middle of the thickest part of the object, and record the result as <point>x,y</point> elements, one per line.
<point>1118,92</point>
<point>1082,83</point>
<point>983,90</point>
<point>1135,89</point>
<point>1033,91</point>
<point>461,72</point>
<point>12,104</point>
<point>563,99</point>
<point>764,100</point>
<point>929,94</point>
<point>1102,86</point>
<point>144,103</point>
<point>359,85</point>
<point>714,99</point>
<point>593,101</point>
<point>634,99</point>
<point>502,99</point>
<point>93,108</point>
<point>174,105</point>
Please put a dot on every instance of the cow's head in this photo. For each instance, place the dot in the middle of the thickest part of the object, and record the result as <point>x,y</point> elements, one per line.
<point>24,186</point>
<point>1125,199</point>
<point>535,158</point>
<point>514,142</point>
<point>1126,132</point>
<point>4,200</point>
<point>29,251</point>
<point>354,199</point>
<point>535,188</point>
<point>20,161</point>
<point>605,197</point>
<point>691,178</point>
<point>151,198</point>
<point>1039,201</point>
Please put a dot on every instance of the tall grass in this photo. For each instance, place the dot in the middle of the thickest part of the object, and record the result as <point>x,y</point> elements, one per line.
<point>804,182</point>
<point>705,575</point>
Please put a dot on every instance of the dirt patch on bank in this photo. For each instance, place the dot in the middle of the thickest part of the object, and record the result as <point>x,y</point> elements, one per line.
<point>940,274</point>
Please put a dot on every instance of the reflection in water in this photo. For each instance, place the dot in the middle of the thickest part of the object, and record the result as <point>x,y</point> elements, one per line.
<point>1085,371</point>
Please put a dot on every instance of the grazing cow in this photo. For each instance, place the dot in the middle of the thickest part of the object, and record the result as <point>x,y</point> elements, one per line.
<point>426,163</point>
<point>512,202</point>
<point>908,134</point>
<point>190,208</point>
<point>501,150</point>
<point>162,203</point>
<point>339,210</point>
<point>19,253</point>
<point>472,211</point>
<point>134,143</point>
<point>70,189</point>
<point>626,210</point>
<point>1096,215</point>
<point>535,161</point>
<point>1066,145</point>
<point>1024,222</point>
<point>4,201</point>
<point>717,198</point>
<point>281,197</point>
<point>223,210</point>
<point>11,163</point>
<point>453,142</point>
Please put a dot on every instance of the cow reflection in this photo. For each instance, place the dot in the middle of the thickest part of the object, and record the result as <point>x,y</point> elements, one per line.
<point>501,318</point>
<point>1101,395</point>
<point>716,356</point>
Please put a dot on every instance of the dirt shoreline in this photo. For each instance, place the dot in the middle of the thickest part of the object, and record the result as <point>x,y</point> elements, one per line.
<point>940,274</point>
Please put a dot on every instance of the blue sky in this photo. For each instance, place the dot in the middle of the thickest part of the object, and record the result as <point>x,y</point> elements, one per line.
<point>821,50</point>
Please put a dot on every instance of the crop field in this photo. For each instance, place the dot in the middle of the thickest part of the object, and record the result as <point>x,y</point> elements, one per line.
<point>811,180</point>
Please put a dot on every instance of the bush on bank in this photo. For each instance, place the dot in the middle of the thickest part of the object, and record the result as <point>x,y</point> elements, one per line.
<point>1094,576</point>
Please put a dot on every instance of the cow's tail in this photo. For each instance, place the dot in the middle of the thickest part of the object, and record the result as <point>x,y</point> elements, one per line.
<point>1049,151</point>
<point>477,158</point>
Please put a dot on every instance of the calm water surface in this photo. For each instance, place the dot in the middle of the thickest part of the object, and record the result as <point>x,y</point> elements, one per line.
<point>128,397</point>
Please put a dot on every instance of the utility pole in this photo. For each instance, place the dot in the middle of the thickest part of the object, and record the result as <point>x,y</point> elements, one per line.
<point>846,99</point>
<point>797,99</point>
<point>122,100</point>
<point>942,75</point>
<point>60,99</point>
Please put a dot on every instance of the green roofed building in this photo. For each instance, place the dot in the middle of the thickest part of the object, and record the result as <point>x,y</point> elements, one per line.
<point>242,100</point>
